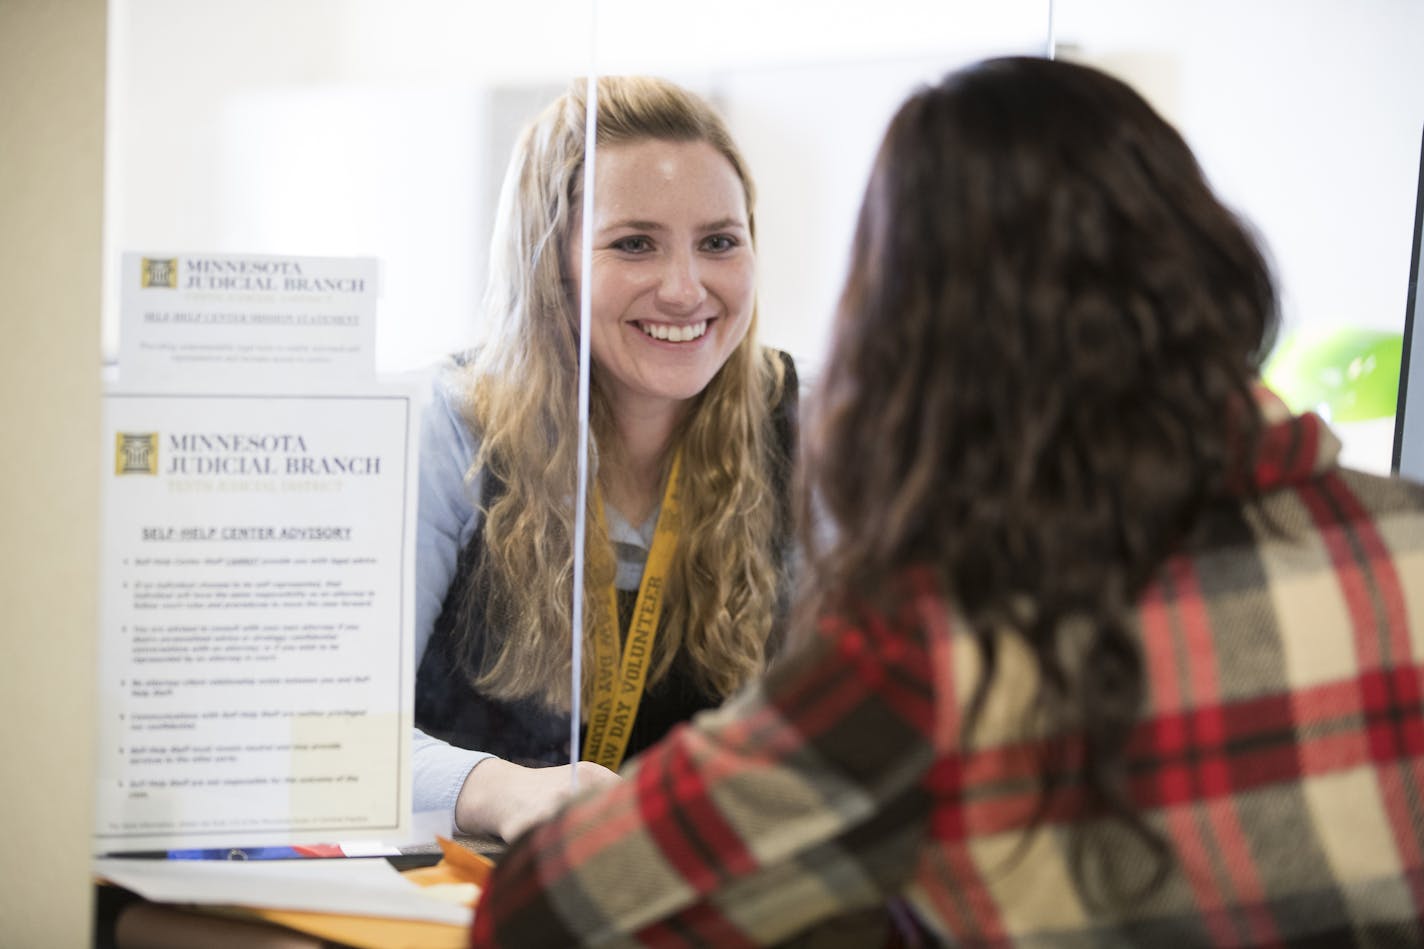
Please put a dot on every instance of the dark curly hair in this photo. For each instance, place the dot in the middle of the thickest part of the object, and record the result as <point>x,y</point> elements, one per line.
<point>1040,377</point>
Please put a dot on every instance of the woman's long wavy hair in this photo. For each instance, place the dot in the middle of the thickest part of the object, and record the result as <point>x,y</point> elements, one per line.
<point>1041,377</point>
<point>522,386</point>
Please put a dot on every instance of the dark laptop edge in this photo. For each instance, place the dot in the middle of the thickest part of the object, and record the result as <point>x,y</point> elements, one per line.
<point>1410,317</point>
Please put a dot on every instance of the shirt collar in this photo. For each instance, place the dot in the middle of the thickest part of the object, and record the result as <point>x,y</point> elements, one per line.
<point>1293,448</point>
<point>620,531</point>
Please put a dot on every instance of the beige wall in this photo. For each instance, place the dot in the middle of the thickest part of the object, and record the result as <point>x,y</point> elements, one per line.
<point>51,177</point>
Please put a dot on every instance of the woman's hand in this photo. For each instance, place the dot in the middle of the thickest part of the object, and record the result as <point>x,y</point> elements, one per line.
<point>505,799</point>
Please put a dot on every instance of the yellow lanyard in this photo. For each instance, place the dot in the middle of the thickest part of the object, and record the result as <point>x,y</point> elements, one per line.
<point>618,684</point>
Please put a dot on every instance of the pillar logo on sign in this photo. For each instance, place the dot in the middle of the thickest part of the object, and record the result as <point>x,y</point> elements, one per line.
<point>136,454</point>
<point>159,273</point>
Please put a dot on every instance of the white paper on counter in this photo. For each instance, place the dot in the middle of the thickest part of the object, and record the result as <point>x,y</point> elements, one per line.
<point>351,887</point>
<point>255,683</point>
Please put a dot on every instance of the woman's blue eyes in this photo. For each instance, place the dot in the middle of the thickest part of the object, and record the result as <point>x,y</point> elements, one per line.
<point>717,244</point>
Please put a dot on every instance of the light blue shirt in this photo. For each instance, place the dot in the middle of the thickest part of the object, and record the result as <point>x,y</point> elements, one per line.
<point>448,517</point>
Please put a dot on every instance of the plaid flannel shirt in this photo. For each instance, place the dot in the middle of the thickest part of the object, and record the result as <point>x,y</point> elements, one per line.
<point>1280,756</point>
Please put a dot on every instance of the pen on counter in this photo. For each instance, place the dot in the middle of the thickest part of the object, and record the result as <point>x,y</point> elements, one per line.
<point>258,853</point>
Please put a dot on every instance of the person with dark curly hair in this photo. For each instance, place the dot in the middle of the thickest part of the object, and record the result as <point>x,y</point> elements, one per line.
<point>1100,646</point>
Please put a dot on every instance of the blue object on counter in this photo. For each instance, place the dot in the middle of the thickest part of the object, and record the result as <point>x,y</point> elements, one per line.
<point>238,853</point>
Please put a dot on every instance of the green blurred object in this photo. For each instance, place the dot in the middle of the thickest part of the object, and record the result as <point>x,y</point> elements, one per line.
<point>1343,375</point>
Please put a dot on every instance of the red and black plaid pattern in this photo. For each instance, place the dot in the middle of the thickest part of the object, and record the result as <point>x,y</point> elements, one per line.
<point>1280,757</point>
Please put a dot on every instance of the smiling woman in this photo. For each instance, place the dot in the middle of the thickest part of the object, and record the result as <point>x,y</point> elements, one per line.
<point>673,291</point>
<point>673,259</point>
<point>692,424</point>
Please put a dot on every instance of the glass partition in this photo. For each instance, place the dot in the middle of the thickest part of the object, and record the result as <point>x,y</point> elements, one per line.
<point>381,129</point>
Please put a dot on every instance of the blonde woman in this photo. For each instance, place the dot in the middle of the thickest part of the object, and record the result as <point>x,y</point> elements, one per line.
<point>692,425</point>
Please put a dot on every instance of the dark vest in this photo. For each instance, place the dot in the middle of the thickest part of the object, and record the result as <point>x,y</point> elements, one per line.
<point>448,707</point>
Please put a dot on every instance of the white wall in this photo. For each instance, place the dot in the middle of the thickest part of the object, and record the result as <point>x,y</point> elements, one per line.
<point>1307,116</point>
